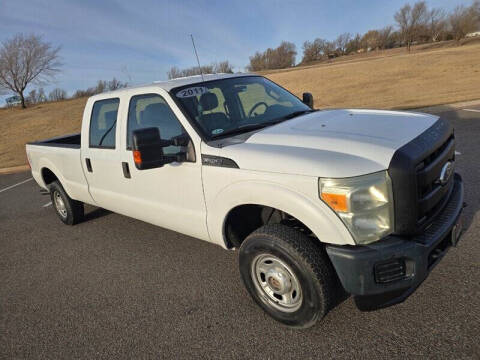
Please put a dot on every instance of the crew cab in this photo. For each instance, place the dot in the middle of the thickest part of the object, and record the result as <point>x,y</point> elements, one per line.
<point>319,203</point>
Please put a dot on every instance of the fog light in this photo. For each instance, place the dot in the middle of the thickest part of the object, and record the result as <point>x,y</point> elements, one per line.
<point>390,271</point>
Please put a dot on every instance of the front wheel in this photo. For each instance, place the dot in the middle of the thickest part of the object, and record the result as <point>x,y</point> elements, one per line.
<point>288,275</point>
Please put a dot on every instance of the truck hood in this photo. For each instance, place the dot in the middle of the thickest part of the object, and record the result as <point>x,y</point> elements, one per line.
<point>330,143</point>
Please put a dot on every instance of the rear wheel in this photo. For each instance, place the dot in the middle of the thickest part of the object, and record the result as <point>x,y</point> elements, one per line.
<point>68,210</point>
<point>288,275</point>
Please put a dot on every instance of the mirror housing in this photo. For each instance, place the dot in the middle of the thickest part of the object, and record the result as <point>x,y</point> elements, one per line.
<point>148,148</point>
<point>307,99</point>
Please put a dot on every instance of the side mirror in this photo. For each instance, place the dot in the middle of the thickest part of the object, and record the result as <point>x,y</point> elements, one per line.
<point>307,99</point>
<point>148,148</point>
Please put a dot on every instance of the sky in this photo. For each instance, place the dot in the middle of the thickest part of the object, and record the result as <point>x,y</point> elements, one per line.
<point>138,41</point>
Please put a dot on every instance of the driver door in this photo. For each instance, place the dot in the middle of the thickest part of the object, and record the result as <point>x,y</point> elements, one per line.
<point>170,196</point>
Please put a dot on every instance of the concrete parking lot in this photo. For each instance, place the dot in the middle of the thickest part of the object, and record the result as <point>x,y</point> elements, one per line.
<point>115,287</point>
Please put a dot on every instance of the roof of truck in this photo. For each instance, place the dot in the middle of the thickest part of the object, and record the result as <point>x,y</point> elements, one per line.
<point>187,80</point>
<point>171,84</point>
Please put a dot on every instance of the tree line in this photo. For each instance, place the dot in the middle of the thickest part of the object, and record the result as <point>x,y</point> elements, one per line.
<point>37,96</point>
<point>414,24</point>
<point>213,68</point>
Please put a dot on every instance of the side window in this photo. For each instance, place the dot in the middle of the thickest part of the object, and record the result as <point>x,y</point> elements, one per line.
<point>103,123</point>
<point>151,110</point>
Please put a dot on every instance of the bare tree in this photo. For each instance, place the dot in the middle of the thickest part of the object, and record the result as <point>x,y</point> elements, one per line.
<point>313,50</point>
<point>281,57</point>
<point>354,45</point>
<point>36,96</point>
<point>174,73</point>
<point>223,67</point>
<point>371,40</point>
<point>385,39</point>
<point>83,93</point>
<point>410,19</point>
<point>101,87</point>
<point>25,60</point>
<point>57,94</point>
<point>115,84</point>
<point>32,97</point>
<point>436,23</point>
<point>213,68</point>
<point>257,62</point>
<point>41,97</point>
<point>194,70</point>
<point>285,55</point>
<point>464,20</point>
<point>342,41</point>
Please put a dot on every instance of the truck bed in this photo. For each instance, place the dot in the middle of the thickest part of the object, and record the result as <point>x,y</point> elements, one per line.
<point>62,157</point>
<point>67,141</point>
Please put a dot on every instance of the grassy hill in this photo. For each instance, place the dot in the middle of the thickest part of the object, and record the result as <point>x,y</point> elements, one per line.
<point>392,79</point>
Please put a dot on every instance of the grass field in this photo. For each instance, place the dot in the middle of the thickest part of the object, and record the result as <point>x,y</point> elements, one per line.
<point>393,79</point>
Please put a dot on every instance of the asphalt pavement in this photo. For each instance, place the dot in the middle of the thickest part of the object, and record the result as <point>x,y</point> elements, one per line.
<point>115,287</point>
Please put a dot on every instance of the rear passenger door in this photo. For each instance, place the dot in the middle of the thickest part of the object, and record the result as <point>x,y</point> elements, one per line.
<point>170,196</point>
<point>100,153</point>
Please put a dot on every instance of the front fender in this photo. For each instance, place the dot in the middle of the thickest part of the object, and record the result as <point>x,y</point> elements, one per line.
<point>322,221</point>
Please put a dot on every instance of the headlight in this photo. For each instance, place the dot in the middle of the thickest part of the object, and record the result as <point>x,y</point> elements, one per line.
<point>364,203</point>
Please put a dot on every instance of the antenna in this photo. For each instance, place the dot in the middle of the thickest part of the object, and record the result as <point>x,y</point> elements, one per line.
<point>198,61</point>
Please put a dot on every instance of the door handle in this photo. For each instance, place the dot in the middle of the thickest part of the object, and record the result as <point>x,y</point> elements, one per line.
<point>126,170</point>
<point>89,165</point>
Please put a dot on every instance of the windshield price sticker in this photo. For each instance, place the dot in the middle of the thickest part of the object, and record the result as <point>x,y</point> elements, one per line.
<point>192,91</point>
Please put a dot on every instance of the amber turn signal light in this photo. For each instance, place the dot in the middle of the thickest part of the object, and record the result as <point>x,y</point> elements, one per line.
<point>137,157</point>
<point>337,202</point>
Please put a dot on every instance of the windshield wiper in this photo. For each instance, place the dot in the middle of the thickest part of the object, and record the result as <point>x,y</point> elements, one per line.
<point>245,128</point>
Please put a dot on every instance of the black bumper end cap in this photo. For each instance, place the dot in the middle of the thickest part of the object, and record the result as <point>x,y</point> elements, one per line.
<point>384,300</point>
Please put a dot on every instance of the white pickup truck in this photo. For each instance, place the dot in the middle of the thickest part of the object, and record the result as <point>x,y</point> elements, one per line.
<point>319,203</point>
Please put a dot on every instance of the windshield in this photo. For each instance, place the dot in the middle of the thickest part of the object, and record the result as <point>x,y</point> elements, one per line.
<point>231,106</point>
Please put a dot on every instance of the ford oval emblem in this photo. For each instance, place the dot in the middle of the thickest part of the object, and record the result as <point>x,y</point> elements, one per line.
<point>446,173</point>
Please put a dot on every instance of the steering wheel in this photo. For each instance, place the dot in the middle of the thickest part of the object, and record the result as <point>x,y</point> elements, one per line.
<point>255,106</point>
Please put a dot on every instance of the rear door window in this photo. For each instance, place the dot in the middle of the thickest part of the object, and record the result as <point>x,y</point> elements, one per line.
<point>103,123</point>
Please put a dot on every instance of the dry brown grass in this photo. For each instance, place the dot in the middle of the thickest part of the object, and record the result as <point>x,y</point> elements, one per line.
<point>388,80</point>
<point>18,127</point>
<point>402,81</point>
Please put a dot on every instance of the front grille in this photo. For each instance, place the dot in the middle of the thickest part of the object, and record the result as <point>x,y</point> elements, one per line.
<point>415,170</point>
<point>431,194</point>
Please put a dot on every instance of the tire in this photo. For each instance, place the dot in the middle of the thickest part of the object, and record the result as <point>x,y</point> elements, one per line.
<point>299,285</point>
<point>68,210</point>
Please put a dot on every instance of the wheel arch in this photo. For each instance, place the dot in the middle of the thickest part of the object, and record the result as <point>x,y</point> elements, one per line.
<point>49,173</point>
<point>48,176</point>
<point>310,214</point>
<point>244,219</point>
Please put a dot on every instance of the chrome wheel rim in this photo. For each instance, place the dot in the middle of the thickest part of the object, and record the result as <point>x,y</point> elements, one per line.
<point>59,204</point>
<point>276,283</point>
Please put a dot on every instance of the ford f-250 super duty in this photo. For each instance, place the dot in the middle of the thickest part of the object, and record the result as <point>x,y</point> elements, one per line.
<point>318,203</point>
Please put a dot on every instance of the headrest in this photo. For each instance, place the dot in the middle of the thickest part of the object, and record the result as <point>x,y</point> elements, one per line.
<point>157,109</point>
<point>154,113</point>
<point>110,117</point>
<point>208,101</point>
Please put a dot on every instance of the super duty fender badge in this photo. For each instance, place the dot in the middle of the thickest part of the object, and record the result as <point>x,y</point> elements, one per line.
<point>212,160</point>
